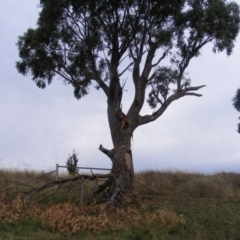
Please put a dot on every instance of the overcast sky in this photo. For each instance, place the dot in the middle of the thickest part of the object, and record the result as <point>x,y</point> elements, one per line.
<point>39,128</point>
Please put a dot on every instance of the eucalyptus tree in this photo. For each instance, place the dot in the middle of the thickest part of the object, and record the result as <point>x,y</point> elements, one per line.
<point>97,43</point>
<point>236,104</point>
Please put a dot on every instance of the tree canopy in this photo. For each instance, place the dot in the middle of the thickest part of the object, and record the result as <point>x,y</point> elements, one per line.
<point>76,40</point>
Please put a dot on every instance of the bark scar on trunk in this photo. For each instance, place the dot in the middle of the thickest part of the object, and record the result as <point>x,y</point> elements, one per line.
<point>122,118</point>
<point>128,161</point>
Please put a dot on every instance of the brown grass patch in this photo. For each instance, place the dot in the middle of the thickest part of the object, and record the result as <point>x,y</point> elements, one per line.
<point>67,217</point>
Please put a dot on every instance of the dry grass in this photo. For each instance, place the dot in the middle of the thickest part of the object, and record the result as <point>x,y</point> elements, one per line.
<point>10,181</point>
<point>9,178</point>
<point>169,184</point>
<point>180,184</point>
<point>221,185</point>
<point>66,217</point>
<point>189,206</point>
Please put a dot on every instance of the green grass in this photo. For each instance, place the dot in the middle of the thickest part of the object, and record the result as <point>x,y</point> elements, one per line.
<point>209,204</point>
<point>30,230</point>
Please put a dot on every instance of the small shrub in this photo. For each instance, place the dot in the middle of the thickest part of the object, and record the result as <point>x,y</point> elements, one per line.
<point>71,163</point>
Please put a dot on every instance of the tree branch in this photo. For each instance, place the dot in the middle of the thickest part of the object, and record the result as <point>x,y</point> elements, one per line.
<point>148,62</point>
<point>185,92</point>
<point>109,153</point>
<point>103,86</point>
<point>125,69</point>
<point>194,47</point>
<point>97,78</point>
<point>159,60</point>
<point>69,180</point>
<point>156,95</point>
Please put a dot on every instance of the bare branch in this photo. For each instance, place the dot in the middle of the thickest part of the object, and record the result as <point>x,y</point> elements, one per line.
<point>19,183</point>
<point>194,46</point>
<point>156,96</point>
<point>109,153</point>
<point>193,94</point>
<point>103,86</point>
<point>56,190</point>
<point>159,60</point>
<point>125,69</point>
<point>68,180</point>
<point>131,54</point>
<point>148,62</point>
<point>192,88</point>
<point>83,82</point>
<point>185,92</point>
<point>97,78</point>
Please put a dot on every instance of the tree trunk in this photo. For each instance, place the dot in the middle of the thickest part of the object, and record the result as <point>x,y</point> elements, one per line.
<point>123,164</point>
<point>121,154</point>
<point>121,133</point>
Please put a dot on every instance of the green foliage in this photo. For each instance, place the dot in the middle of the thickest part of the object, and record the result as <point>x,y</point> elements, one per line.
<point>236,100</point>
<point>164,76</point>
<point>236,104</point>
<point>77,40</point>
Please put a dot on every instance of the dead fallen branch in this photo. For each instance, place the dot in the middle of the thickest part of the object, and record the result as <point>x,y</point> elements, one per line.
<point>60,182</point>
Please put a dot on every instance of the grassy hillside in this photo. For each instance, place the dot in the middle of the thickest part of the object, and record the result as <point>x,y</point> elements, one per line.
<point>188,206</point>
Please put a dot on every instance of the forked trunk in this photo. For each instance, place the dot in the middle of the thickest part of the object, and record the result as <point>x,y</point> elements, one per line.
<point>121,133</point>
